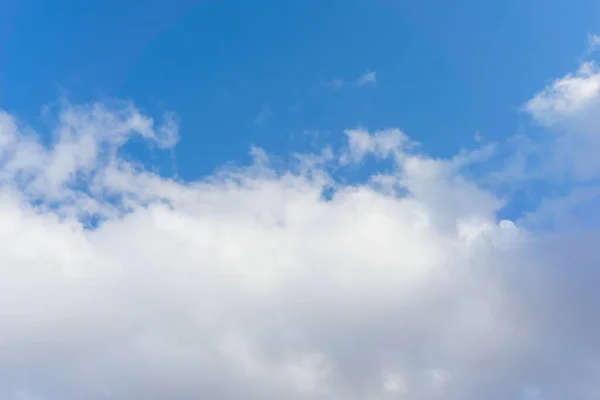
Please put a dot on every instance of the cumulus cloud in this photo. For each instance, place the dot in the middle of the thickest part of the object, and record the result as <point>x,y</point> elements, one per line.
<point>569,97</point>
<point>570,109</point>
<point>118,283</point>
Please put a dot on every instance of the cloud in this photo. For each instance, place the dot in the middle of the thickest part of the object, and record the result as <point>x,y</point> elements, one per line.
<point>568,97</point>
<point>593,43</point>
<point>368,78</point>
<point>570,109</point>
<point>263,115</point>
<point>119,283</point>
<point>337,83</point>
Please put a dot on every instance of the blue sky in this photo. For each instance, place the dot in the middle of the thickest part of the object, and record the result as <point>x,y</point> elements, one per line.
<point>444,70</point>
<point>223,199</point>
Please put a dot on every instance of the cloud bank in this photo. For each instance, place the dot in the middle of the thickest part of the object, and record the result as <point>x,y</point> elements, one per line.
<point>118,283</point>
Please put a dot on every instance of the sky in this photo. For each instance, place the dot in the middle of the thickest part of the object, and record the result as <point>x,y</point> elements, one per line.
<point>300,199</point>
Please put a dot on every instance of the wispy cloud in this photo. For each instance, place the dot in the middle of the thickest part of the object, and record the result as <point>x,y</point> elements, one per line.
<point>368,78</point>
<point>593,43</point>
<point>337,83</point>
<point>263,115</point>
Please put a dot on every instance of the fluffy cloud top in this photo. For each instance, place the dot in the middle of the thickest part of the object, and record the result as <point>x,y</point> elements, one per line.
<point>570,109</point>
<point>569,97</point>
<point>118,283</point>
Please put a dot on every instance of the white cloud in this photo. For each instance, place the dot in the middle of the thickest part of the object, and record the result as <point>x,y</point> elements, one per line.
<point>593,43</point>
<point>568,97</point>
<point>570,108</point>
<point>263,115</point>
<point>247,284</point>
<point>368,78</point>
